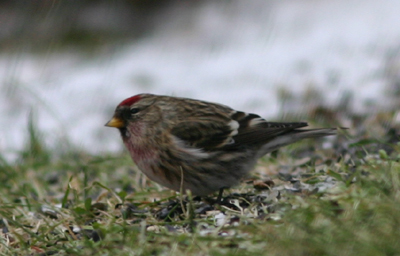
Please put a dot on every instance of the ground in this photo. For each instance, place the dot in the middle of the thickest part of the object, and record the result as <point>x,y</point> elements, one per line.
<point>334,196</point>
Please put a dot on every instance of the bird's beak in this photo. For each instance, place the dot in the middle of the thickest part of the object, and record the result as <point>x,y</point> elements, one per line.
<point>115,122</point>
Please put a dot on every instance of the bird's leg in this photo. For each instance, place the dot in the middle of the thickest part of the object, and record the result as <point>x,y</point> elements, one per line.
<point>219,198</point>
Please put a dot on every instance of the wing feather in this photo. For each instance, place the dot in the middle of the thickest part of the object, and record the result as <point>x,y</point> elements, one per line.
<point>206,134</point>
<point>232,131</point>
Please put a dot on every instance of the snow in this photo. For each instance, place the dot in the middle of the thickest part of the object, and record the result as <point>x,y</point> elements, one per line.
<point>237,53</point>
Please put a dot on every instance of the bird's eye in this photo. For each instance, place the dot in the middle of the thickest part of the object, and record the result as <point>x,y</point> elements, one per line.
<point>134,110</point>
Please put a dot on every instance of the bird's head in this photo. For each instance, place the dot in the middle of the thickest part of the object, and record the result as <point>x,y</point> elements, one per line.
<point>135,115</point>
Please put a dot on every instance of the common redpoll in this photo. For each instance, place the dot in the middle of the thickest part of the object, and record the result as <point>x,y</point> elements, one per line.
<point>201,146</point>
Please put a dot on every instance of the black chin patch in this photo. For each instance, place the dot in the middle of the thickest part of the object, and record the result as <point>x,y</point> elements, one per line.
<point>124,132</point>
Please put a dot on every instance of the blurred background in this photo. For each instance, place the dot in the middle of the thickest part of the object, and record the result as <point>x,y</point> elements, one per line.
<point>65,65</point>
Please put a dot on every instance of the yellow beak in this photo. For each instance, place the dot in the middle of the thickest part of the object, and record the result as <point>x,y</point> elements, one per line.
<point>115,122</point>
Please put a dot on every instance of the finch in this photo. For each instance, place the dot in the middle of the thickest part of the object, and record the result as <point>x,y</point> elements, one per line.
<point>187,144</point>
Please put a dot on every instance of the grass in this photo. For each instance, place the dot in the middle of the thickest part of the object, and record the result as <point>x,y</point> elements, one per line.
<point>75,203</point>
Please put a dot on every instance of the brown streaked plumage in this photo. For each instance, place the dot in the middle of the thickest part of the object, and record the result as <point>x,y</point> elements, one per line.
<point>212,145</point>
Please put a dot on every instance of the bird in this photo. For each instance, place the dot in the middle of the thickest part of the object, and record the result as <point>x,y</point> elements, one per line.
<point>188,144</point>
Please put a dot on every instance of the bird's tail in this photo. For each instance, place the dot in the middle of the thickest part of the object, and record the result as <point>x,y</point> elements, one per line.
<point>294,136</point>
<point>313,133</point>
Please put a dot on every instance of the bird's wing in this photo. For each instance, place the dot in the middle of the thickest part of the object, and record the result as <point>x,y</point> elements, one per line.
<point>206,133</point>
<point>254,130</point>
<point>238,129</point>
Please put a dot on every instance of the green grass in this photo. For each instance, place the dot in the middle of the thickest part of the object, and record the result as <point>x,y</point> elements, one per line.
<point>78,204</point>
